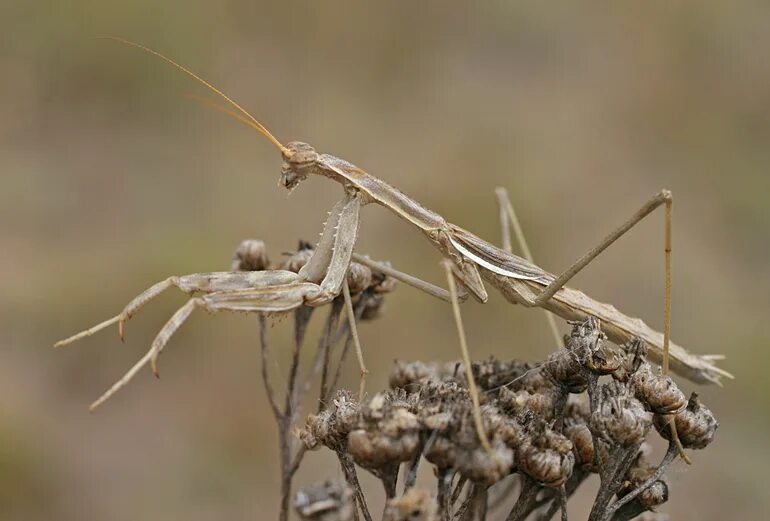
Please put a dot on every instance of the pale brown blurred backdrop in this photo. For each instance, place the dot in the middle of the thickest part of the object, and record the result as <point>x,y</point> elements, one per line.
<point>110,180</point>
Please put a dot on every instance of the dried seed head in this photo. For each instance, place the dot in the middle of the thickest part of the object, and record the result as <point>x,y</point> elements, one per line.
<point>251,255</point>
<point>441,451</point>
<point>582,445</point>
<point>655,495</point>
<point>415,505</point>
<point>696,425</point>
<point>411,375</point>
<point>564,368</point>
<point>297,260</point>
<point>577,410</point>
<point>658,392</point>
<point>621,417</point>
<point>387,432</point>
<point>382,283</point>
<point>492,374</point>
<point>373,306</point>
<point>545,455</point>
<point>586,342</point>
<point>540,403</point>
<point>328,501</point>
<point>476,464</point>
<point>332,425</point>
<point>359,278</point>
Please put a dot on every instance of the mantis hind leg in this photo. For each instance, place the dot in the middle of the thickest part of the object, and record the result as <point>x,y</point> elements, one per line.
<point>508,218</point>
<point>664,197</point>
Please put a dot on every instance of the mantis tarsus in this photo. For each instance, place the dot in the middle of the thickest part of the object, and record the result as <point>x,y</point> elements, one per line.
<point>468,259</point>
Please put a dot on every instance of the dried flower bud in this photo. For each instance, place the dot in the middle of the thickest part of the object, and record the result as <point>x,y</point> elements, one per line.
<point>297,260</point>
<point>659,393</point>
<point>478,465</point>
<point>251,255</point>
<point>328,501</point>
<point>586,343</point>
<point>577,410</point>
<point>332,425</point>
<point>359,278</point>
<point>415,505</point>
<point>564,368</point>
<point>373,306</point>
<point>382,283</point>
<point>492,374</point>
<point>655,495</point>
<point>441,451</point>
<point>388,433</point>
<point>540,403</point>
<point>545,455</point>
<point>582,445</point>
<point>621,417</point>
<point>695,425</point>
<point>410,375</point>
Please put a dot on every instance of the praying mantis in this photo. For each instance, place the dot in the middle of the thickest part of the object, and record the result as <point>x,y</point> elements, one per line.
<point>468,260</point>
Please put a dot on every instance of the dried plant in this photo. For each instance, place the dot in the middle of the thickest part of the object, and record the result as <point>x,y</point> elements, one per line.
<point>367,290</point>
<point>588,409</point>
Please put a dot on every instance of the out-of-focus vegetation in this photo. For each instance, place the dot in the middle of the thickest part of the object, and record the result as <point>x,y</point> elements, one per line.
<point>111,180</point>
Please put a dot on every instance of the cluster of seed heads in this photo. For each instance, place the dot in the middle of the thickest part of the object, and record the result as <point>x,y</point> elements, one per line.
<point>587,409</point>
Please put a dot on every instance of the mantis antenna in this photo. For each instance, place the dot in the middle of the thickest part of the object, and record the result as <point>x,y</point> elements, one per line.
<point>252,121</point>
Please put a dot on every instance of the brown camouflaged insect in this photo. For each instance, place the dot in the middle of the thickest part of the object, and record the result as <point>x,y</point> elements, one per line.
<point>466,258</point>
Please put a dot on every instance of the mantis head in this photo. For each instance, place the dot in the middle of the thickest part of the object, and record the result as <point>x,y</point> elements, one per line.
<point>299,160</point>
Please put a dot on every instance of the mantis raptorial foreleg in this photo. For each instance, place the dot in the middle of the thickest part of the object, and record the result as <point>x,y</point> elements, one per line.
<point>508,218</point>
<point>330,261</point>
<point>318,266</point>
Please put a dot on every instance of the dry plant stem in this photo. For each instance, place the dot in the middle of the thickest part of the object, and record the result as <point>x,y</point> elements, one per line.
<point>611,476</point>
<point>290,456</point>
<point>444,479</point>
<point>349,469</point>
<point>472,389</point>
<point>458,490</point>
<point>410,472</point>
<point>563,502</point>
<point>507,491</point>
<point>468,507</point>
<point>269,392</point>
<point>671,453</point>
<point>527,500</point>
<point>629,511</point>
<point>508,214</point>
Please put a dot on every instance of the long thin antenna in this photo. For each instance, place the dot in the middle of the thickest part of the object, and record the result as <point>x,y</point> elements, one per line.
<point>257,125</point>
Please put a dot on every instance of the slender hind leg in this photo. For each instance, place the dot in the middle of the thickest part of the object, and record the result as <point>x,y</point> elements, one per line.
<point>507,218</point>
<point>662,197</point>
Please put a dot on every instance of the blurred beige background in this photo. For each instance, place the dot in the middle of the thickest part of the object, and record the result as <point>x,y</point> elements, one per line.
<point>110,180</point>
